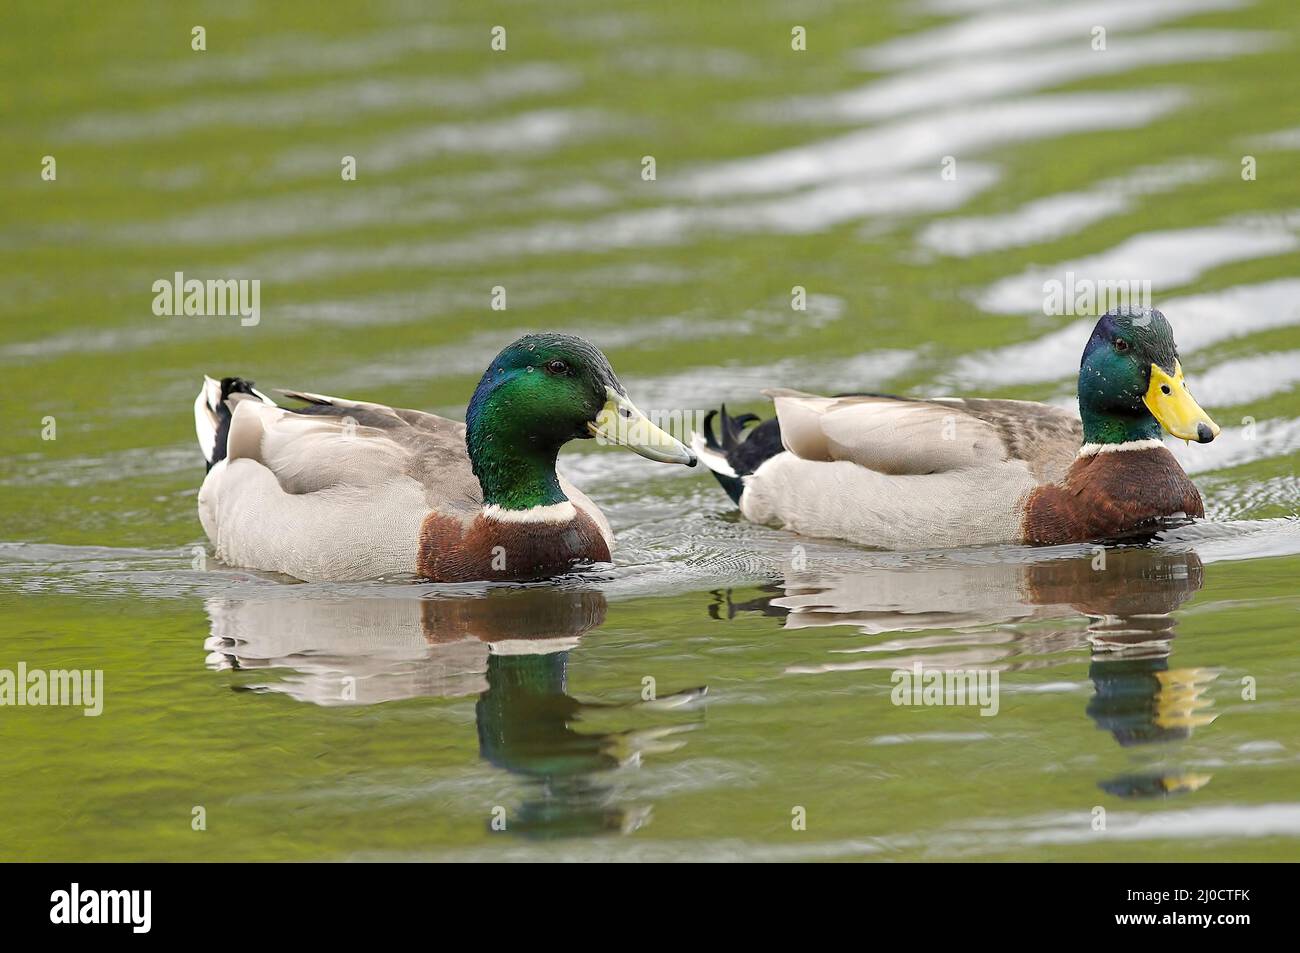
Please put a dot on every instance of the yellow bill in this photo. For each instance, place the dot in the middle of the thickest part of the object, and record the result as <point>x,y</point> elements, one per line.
<point>620,423</point>
<point>1171,404</point>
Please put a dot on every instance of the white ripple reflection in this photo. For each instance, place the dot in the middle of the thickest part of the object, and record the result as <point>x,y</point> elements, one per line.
<point>924,140</point>
<point>1167,259</point>
<point>937,85</point>
<point>338,103</point>
<point>1064,213</point>
<point>1199,321</point>
<point>1013,30</point>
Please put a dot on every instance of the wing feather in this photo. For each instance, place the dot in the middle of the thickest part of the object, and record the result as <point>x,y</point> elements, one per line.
<point>339,443</point>
<point>902,436</point>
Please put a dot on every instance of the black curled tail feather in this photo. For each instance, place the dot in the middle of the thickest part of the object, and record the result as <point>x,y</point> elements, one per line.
<point>744,453</point>
<point>219,415</point>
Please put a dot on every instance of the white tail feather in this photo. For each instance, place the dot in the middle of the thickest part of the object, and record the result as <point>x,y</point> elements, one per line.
<point>207,415</point>
<point>711,458</point>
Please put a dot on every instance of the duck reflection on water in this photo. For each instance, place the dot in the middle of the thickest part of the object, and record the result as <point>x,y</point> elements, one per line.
<point>511,647</point>
<point>948,615</point>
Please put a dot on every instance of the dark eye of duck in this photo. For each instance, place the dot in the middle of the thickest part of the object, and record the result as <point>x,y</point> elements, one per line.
<point>1121,345</point>
<point>557,366</point>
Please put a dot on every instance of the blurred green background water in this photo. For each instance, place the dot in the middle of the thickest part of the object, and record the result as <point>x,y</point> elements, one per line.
<point>398,720</point>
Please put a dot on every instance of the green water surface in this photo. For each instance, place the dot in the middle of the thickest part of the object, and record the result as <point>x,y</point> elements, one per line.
<point>1147,707</point>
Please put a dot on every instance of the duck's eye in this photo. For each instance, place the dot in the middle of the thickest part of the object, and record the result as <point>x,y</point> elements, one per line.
<point>1121,345</point>
<point>557,367</point>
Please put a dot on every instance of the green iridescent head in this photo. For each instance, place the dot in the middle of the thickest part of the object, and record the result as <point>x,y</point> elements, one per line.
<point>1131,384</point>
<point>538,394</point>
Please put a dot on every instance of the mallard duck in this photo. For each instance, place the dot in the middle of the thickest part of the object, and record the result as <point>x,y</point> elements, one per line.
<point>347,490</point>
<point>899,473</point>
